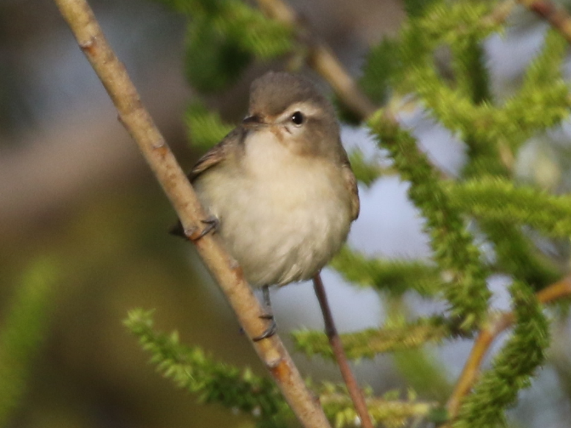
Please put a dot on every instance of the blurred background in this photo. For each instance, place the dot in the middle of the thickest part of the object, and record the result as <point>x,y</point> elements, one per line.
<point>74,190</point>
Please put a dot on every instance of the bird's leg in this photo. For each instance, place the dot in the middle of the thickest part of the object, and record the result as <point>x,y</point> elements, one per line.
<point>271,329</point>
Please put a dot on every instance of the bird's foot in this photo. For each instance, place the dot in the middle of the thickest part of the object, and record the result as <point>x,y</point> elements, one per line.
<point>212,225</point>
<point>270,330</point>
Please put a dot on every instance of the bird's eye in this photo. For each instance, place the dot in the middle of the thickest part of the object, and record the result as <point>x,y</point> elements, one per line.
<point>297,118</point>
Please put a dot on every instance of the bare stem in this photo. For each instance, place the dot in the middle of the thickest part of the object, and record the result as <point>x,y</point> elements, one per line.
<point>227,273</point>
<point>486,337</point>
<point>555,15</point>
<point>352,386</point>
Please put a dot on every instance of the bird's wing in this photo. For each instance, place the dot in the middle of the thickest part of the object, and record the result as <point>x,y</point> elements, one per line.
<point>351,184</point>
<point>225,149</point>
<point>220,152</point>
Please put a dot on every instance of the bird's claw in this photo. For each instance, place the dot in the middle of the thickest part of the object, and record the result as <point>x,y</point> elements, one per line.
<point>212,224</point>
<point>270,330</point>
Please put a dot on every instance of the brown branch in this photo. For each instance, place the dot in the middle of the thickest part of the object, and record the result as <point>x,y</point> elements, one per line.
<point>352,386</point>
<point>486,337</point>
<point>229,276</point>
<point>555,15</point>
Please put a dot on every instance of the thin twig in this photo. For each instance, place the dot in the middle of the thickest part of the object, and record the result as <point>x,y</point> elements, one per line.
<point>352,386</point>
<point>486,337</point>
<point>229,276</point>
<point>555,15</point>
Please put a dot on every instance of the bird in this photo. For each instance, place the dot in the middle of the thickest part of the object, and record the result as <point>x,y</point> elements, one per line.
<point>279,188</point>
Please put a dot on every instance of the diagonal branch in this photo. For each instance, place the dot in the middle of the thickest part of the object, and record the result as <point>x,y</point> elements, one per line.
<point>486,337</point>
<point>229,276</point>
<point>553,14</point>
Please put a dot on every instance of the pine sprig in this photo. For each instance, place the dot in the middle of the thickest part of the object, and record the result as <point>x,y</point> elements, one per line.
<point>453,246</point>
<point>264,38</point>
<point>512,368</point>
<point>205,128</point>
<point>517,256</point>
<point>196,7</point>
<point>372,342</point>
<point>415,8</point>
<point>190,368</point>
<point>214,382</point>
<point>224,36</point>
<point>213,60</point>
<point>381,66</point>
<point>543,99</point>
<point>366,171</point>
<point>471,72</point>
<point>22,332</point>
<point>501,200</point>
<point>445,22</point>
<point>391,276</point>
<point>388,410</point>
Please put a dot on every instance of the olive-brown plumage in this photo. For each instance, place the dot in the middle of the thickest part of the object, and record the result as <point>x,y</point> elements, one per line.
<point>280,184</point>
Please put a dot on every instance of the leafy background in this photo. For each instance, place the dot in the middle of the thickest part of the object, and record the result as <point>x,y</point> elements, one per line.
<point>83,222</point>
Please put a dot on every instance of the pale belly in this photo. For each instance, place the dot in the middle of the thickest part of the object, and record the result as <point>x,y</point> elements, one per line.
<point>282,228</point>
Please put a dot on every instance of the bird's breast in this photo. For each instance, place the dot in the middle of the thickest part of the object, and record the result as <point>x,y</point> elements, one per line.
<point>282,216</point>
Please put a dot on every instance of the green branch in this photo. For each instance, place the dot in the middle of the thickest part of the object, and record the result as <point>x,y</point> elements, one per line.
<point>215,382</point>
<point>543,99</point>
<point>453,246</point>
<point>501,200</point>
<point>372,342</point>
<point>191,369</point>
<point>388,410</point>
<point>223,37</point>
<point>391,276</point>
<point>24,328</point>
<point>205,128</point>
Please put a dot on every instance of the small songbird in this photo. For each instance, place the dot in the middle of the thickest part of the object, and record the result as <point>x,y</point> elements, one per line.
<point>279,187</point>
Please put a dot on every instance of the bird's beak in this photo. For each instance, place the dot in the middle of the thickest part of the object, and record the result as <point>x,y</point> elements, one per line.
<point>253,121</point>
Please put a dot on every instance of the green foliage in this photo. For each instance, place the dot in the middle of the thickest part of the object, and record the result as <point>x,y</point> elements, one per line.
<point>454,249</point>
<point>198,7</point>
<point>205,128</point>
<point>366,171</point>
<point>214,382</point>
<point>416,8</point>
<point>389,409</point>
<point>543,99</point>
<point>512,368</point>
<point>371,342</point>
<point>213,60</point>
<point>23,329</point>
<point>392,276</point>
<point>223,37</point>
<point>381,64</point>
<point>470,70</point>
<point>190,368</point>
<point>438,62</point>
<point>501,200</point>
